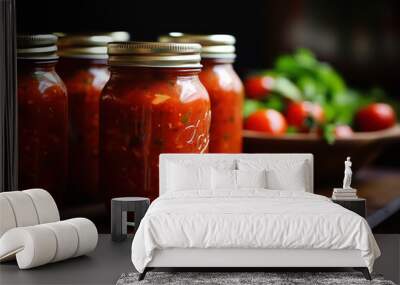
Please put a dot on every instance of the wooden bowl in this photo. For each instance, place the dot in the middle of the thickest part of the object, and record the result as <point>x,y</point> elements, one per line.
<point>363,147</point>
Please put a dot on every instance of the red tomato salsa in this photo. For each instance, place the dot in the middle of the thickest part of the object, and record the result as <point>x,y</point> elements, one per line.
<point>42,118</point>
<point>146,111</point>
<point>83,67</point>
<point>226,95</point>
<point>85,79</point>
<point>224,88</point>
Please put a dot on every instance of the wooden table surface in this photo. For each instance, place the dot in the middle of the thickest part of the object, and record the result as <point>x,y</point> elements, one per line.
<point>379,186</point>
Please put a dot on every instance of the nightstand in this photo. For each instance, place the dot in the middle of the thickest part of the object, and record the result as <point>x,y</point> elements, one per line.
<point>119,208</point>
<point>356,205</point>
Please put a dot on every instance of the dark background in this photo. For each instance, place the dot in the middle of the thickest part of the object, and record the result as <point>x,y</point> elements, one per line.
<point>360,38</point>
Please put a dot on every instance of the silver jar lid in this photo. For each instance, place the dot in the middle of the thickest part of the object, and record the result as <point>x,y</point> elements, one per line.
<point>218,46</point>
<point>91,45</point>
<point>154,54</point>
<point>37,47</point>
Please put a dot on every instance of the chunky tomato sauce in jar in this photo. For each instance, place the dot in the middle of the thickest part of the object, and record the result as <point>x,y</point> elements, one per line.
<point>42,116</point>
<point>224,87</point>
<point>153,103</point>
<point>83,68</point>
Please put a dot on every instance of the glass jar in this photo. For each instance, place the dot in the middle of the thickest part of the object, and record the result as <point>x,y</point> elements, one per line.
<point>83,68</point>
<point>42,116</point>
<point>153,103</point>
<point>224,87</point>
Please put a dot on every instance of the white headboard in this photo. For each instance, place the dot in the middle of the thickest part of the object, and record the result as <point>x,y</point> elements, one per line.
<point>165,158</point>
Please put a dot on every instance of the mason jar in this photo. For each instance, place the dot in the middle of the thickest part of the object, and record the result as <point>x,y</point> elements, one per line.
<point>83,68</point>
<point>42,116</point>
<point>224,88</point>
<point>153,103</point>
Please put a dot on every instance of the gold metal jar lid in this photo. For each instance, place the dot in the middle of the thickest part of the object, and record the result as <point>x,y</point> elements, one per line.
<point>216,46</point>
<point>154,54</point>
<point>37,47</point>
<point>91,45</point>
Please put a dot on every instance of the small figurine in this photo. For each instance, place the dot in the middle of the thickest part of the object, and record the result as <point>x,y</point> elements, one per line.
<point>347,174</point>
<point>347,192</point>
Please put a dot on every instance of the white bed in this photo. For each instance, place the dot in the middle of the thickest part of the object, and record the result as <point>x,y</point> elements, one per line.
<point>286,226</point>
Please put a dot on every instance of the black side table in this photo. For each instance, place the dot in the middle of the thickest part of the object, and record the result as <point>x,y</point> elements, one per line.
<point>358,205</point>
<point>119,209</point>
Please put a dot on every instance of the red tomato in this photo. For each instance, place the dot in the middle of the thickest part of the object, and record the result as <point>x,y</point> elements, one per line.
<point>297,114</point>
<point>258,86</point>
<point>343,131</point>
<point>375,117</point>
<point>267,121</point>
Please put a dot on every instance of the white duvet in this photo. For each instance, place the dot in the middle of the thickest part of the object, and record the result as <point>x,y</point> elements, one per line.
<point>250,219</point>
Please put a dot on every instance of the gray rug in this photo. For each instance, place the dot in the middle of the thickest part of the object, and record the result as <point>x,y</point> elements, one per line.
<point>232,278</point>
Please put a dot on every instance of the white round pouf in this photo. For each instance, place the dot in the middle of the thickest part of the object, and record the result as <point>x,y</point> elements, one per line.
<point>87,233</point>
<point>33,246</point>
<point>67,240</point>
<point>45,205</point>
<point>31,230</point>
<point>23,208</point>
<point>7,218</point>
<point>41,244</point>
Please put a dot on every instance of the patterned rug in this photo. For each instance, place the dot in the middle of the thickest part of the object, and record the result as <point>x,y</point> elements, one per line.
<point>243,278</point>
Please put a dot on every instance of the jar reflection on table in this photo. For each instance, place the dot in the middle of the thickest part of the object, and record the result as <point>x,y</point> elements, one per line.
<point>224,88</point>
<point>83,68</point>
<point>42,116</point>
<point>151,105</point>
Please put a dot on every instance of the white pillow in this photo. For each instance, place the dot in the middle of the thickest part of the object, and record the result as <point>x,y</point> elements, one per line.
<point>223,179</point>
<point>282,174</point>
<point>293,180</point>
<point>181,178</point>
<point>251,178</point>
<point>204,161</point>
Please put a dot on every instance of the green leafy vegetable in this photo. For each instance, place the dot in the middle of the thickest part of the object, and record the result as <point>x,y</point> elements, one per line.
<point>286,88</point>
<point>328,132</point>
<point>251,106</point>
<point>291,130</point>
<point>274,102</point>
<point>300,76</point>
